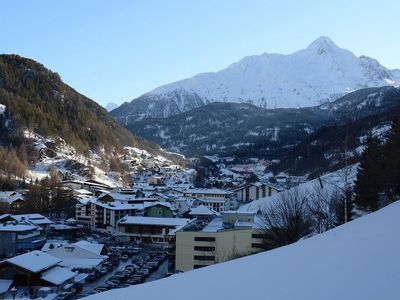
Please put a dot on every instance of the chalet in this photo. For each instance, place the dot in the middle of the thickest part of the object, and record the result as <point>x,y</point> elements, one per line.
<point>35,219</point>
<point>15,237</point>
<point>12,201</point>
<point>81,255</point>
<point>159,209</point>
<point>255,191</point>
<point>184,204</point>
<point>36,269</point>
<point>202,212</point>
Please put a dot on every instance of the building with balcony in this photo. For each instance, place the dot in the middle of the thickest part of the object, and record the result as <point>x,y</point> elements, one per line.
<point>203,243</point>
<point>151,229</point>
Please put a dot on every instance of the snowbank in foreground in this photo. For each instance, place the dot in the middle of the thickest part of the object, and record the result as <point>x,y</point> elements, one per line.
<point>359,260</point>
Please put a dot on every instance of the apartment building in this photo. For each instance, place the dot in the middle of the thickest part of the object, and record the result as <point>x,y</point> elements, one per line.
<point>223,238</point>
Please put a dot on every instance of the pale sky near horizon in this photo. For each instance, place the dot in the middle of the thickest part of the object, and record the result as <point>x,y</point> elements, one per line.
<point>114,51</point>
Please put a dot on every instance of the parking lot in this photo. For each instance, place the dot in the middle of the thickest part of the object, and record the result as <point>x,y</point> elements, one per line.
<point>125,266</point>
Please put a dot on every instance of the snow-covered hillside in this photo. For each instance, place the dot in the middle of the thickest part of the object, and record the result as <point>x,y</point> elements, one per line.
<point>321,72</point>
<point>358,260</point>
<point>330,182</point>
<point>55,152</point>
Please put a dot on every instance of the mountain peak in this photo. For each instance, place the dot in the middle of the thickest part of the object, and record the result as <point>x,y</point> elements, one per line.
<point>321,72</point>
<point>323,44</point>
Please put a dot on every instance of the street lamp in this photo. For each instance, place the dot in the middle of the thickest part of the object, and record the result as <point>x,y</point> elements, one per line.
<point>14,292</point>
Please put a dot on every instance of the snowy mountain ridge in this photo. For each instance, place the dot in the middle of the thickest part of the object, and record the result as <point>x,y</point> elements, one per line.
<point>319,73</point>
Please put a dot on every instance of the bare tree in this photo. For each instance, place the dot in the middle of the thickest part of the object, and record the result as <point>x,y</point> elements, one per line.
<point>320,208</point>
<point>287,220</point>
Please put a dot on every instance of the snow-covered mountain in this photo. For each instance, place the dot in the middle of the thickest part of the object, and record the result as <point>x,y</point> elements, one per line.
<point>321,72</point>
<point>244,129</point>
<point>358,260</point>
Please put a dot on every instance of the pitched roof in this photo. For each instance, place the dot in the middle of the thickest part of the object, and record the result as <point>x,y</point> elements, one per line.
<point>36,219</point>
<point>208,191</point>
<point>202,210</point>
<point>10,227</point>
<point>57,275</point>
<point>92,247</point>
<point>34,261</point>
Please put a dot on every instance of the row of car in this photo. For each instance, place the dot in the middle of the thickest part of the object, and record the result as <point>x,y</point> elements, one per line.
<point>134,273</point>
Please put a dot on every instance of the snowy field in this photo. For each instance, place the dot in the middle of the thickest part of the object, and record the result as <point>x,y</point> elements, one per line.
<point>358,260</point>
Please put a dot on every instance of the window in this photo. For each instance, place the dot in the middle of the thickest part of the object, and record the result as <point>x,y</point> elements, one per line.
<point>204,248</point>
<point>198,266</point>
<point>257,236</point>
<point>204,239</point>
<point>206,257</point>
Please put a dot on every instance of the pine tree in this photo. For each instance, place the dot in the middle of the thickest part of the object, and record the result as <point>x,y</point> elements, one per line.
<point>368,184</point>
<point>392,162</point>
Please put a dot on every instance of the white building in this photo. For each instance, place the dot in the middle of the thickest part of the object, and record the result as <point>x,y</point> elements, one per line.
<point>101,216</point>
<point>255,191</point>
<point>216,199</point>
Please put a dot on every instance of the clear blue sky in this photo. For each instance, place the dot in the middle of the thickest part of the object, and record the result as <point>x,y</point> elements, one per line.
<point>113,51</point>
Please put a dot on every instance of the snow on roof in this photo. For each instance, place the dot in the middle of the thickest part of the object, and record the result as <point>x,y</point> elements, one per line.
<point>81,263</point>
<point>34,261</point>
<point>53,244</point>
<point>135,220</point>
<point>92,247</point>
<point>83,192</point>
<point>358,260</point>
<point>119,196</point>
<point>58,275</point>
<point>207,191</point>
<point>202,210</point>
<point>151,204</point>
<point>214,225</point>
<point>213,200</point>
<point>5,285</point>
<point>116,205</point>
<point>77,255</point>
<point>36,219</point>
<point>10,227</point>
<point>95,184</point>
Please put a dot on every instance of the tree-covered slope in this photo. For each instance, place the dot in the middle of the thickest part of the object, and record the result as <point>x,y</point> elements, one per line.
<point>37,99</point>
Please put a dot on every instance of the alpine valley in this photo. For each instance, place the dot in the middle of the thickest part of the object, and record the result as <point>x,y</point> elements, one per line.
<point>297,109</point>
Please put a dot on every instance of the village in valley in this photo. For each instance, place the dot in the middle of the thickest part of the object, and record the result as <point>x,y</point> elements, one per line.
<point>193,150</point>
<point>158,225</point>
